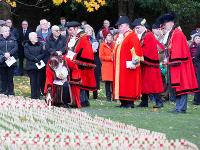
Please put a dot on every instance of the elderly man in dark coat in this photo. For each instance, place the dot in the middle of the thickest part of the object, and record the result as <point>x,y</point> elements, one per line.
<point>23,38</point>
<point>56,42</point>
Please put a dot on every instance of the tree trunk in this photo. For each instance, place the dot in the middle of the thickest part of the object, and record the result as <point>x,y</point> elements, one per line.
<point>5,10</point>
<point>131,5</point>
<point>122,8</point>
<point>126,8</point>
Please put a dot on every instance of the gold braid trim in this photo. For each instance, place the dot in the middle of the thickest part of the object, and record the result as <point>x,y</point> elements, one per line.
<point>75,82</point>
<point>135,56</point>
<point>88,65</point>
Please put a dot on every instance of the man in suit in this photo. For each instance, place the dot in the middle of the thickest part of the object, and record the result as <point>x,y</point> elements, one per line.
<point>23,33</point>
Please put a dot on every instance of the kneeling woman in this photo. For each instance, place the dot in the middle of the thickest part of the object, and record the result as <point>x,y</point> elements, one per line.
<point>62,82</point>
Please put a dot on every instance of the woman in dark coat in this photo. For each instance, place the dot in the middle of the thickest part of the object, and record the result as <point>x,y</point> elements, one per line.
<point>34,55</point>
<point>194,48</point>
<point>90,32</point>
<point>196,59</point>
<point>8,48</point>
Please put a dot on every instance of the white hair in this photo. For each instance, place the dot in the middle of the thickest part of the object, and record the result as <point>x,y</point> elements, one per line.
<point>3,28</point>
<point>86,27</point>
<point>31,34</point>
<point>55,27</point>
<point>43,21</point>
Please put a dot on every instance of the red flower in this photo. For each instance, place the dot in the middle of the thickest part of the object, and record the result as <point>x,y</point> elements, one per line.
<point>48,136</point>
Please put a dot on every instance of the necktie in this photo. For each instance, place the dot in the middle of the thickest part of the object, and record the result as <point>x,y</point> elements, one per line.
<point>24,31</point>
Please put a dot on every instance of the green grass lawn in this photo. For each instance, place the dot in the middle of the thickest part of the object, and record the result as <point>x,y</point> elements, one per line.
<point>175,126</point>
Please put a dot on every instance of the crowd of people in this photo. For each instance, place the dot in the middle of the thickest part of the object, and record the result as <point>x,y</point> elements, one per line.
<point>65,62</point>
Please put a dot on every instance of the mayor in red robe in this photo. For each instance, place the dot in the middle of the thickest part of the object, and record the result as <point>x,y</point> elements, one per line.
<point>127,71</point>
<point>79,44</point>
<point>151,73</point>
<point>181,70</point>
<point>73,80</point>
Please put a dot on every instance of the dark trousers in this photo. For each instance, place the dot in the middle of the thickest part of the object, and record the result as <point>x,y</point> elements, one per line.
<point>0,82</point>
<point>7,85</point>
<point>156,98</point>
<point>108,87</point>
<point>144,99</point>
<point>197,95</point>
<point>62,95</point>
<point>181,102</point>
<point>35,82</point>
<point>197,98</point>
<point>43,79</point>
<point>95,94</point>
<point>21,66</point>
<point>83,96</point>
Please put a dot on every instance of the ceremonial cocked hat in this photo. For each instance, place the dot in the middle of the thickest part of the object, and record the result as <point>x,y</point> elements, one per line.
<point>73,24</point>
<point>122,20</point>
<point>166,18</point>
<point>139,22</point>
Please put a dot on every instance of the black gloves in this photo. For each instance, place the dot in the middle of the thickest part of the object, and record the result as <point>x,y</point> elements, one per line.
<point>36,60</point>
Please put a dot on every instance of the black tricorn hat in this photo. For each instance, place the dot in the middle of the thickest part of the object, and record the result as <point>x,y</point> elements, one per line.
<point>122,20</point>
<point>166,18</point>
<point>156,25</point>
<point>73,24</point>
<point>193,32</point>
<point>139,22</point>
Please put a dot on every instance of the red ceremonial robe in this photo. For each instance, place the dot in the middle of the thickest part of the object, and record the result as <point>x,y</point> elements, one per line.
<point>182,73</point>
<point>85,60</point>
<point>74,80</point>
<point>151,73</point>
<point>127,82</point>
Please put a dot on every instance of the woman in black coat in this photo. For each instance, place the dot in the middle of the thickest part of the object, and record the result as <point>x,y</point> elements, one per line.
<point>8,50</point>
<point>196,100</point>
<point>34,54</point>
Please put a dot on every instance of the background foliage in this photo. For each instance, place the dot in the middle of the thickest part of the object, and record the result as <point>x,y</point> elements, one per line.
<point>95,11</point>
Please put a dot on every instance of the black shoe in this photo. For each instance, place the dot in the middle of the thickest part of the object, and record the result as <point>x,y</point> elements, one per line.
<point>10,93</point>
<point>121,106</point>
<point>158,106</point>
<point>95,95</point>
<point>129,104</point>
<point>133,105</point>
<point>196,103</point>
<point>2,92</point>
<point>177,111</point>
<point>109,99</point>
<point>85,104</point>
<point>142,105</point>
<point>65,106</point>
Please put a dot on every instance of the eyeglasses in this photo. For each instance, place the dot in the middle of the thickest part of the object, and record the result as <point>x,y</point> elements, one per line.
<point>56,30</point>
<point>137,28</point>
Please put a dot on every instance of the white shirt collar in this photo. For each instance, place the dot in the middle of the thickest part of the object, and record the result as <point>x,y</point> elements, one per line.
<point>140,35</point>
<point>164,41</point>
